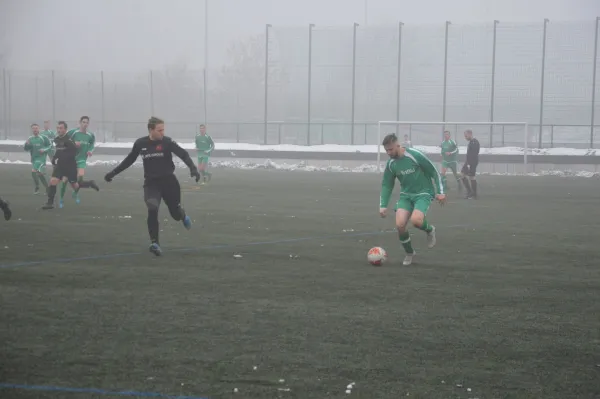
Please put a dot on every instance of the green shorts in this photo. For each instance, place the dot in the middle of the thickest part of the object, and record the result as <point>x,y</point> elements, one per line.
<point>203,159</point>
<point>81,163</point>
<point>410,202</point>
<point>39,165</point>
<point>450,165</point>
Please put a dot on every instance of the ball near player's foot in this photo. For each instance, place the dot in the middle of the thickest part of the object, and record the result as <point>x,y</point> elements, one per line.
<point>377,256</point>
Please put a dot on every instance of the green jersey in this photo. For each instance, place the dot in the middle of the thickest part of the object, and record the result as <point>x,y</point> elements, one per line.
<point>451,147</point>
<point>416,174</point>
<point>86,140</point>
<point>38,147</point>
<point>204,143</point>
<point>49,133</point>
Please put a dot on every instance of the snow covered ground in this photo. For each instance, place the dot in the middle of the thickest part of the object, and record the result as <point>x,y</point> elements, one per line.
<point>354,148</point>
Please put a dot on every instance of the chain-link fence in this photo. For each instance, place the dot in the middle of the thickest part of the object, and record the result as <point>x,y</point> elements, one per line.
<point>325,85</point>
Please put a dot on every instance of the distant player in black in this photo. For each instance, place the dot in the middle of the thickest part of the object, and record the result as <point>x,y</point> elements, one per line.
<point>160,182</point>
<point>65,165</point>
<point>5,209</point>
<point>469,169</point>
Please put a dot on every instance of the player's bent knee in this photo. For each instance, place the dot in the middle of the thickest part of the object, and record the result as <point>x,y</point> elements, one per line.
<point>417,219</point>
<point>152,204</point>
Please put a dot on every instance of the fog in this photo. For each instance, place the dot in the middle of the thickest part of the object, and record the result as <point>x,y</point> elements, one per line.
<point>127,38</point>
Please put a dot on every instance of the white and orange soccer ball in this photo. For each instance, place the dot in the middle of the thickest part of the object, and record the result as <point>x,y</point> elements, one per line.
<point>377,256</point>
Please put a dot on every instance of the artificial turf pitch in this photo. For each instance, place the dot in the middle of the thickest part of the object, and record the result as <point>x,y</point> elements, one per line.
<point>505,306</point>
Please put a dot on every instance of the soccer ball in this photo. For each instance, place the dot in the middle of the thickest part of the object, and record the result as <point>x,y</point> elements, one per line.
<point>377,256</point>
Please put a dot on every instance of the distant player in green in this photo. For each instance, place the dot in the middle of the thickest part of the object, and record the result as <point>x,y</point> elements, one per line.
<point>38,147</point>
<point>204,146</point>
<point>419,181</point>
<point>85,142</point>
<point>407,143</point>
<point>51,134</point>
<point>450,160</point>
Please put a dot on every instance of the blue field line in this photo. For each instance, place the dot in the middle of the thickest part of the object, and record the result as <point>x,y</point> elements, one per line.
<point>49,388</point>
<point>210,247</point>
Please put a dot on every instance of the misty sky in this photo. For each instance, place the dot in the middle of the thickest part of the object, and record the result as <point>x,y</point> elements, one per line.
<point>143,34</point>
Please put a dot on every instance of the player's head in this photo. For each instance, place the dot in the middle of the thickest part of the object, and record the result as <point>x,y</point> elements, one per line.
<point>35,129</point>
<point>406,137</point>
<point>202,130</point>
<point>156,128</point>
<point>392,146</point>
<point>61,128</point>
<point>447,135</point>
<point>46,125</point>
<point>84,122</point>
<point>468,134</point>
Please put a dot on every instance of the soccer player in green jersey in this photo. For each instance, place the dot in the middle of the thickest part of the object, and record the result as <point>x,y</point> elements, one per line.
<point>5,209</point>
<point>38,147</point>
<point>450,160</point>
<point>419,180</point>
<point>51,134</point>
<point>204,146</point>
<point>85,142</point>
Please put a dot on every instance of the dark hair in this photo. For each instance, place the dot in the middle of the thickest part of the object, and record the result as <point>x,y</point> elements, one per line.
<point>63,123</point>
<point>153,121</point>
<point>84,118</point>
<point>34,124</point>
<point>390,139</point>
<point>202,126</point>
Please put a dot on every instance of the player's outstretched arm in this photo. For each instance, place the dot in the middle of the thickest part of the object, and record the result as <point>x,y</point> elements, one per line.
<point>429,169</point>
<point>185,157</point>
<point>387,187</point>
<point>127,162</point>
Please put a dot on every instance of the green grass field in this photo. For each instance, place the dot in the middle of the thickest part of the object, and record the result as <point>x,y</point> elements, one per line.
<point>505,306</point>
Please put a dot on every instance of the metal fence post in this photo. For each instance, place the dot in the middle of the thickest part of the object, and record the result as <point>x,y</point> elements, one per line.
<point>102,104</point>
<point>310,35</point>
<point>542,84</point>
<point>37,97</point>
<point>353,82</point>
<point>53,98</point>
<point>4,113</point>
<point>398,76</point>
<point>9,104</point>
<point>492,95</point>
<point>266,116</point>
<point>445,74</point>
<point>551,136</point>
<point>594,83</point>
<point>151,93</point>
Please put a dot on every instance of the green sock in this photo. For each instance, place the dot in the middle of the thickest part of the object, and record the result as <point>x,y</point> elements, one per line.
<point>36,181</point>
<point>43,180</point>
<point>405,241</point>
<point>63,189</point>
<point>426,227</point>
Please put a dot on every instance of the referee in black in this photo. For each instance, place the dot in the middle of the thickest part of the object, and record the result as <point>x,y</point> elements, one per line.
<point>469,169</point>
<point>160,182</point>
<point>5,209</point>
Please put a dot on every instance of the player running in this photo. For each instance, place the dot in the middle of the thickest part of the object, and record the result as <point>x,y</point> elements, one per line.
<point>470,167</point>
<point>415,173</point>
<point>38,147</point>
<point>160,182</point>
<point>85,142</point>
<point>204,147</point>
<point>5,209</point>
<point>450,160</point>
<point>65,166</point>
<point>51,134</point>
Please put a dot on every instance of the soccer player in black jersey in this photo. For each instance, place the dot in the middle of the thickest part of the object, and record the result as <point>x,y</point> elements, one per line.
<point>65,165</point>
<point>5,209</point>
<point>160,182</point>
<point>469,169</point>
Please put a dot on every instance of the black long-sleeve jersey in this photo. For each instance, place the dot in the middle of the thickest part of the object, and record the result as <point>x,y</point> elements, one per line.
<point>157,157</point>
<point>473,152</point>
<point>66,151</point>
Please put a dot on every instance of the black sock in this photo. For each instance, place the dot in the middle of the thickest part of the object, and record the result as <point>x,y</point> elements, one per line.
<point>51,194</point>
<point>44,182</point>
<point>3,204</point>
<point>474,187</point>
<point>465,181</point>
<point>153,225</point>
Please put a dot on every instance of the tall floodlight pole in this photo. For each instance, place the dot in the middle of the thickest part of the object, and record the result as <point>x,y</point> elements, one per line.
<point>266,127</point>
<point>4,113</point>
<point>353,82</point>
<point>366,12</point>
<point>53,99</point>
<point>151,92</point>
<point>310,32</point>
<point>594,83</point>
<point>205,74</point>
<point>400,24</point>
<point>103,104</point>
<point>546,20</point>
<point>493,90</point>
<point>445,73</point>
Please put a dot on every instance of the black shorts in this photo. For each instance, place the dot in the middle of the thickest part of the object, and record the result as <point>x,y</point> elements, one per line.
<point>164,188</point>
<point>469,169</point>
<point>68,170</point>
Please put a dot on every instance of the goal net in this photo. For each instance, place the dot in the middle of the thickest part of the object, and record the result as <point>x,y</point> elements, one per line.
<point>508,140</point>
